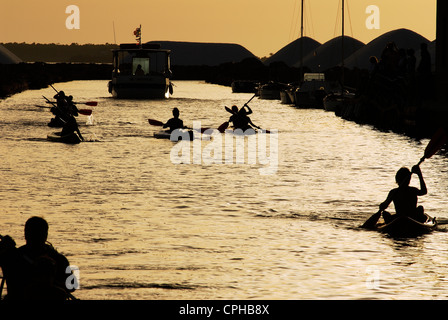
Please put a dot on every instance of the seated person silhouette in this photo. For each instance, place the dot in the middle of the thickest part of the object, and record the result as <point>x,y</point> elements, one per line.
<point>405,197</point>
<point>36,266</point>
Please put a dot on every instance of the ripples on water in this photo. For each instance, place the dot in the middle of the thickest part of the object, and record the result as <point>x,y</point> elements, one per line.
<point>140,227</point>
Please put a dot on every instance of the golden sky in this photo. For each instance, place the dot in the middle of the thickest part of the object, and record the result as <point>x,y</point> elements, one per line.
<point>261,26</point>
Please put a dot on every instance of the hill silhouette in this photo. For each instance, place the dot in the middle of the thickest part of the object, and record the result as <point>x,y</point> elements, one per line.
<point>403,38</point>
<point>329,54</point>
<point>183,53</point>
<point>290,54</point>
<point>198,53</point>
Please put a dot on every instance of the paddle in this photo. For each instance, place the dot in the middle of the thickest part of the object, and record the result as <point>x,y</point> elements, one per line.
<point>434,145</point>
<point>88,103</point>
<point>223,127</point>
<point>86,112</point>
<point>250,99</point>
<point>160,124</point>
<point>371,222</point>
<point>437,141</point>
<point>155,122</point>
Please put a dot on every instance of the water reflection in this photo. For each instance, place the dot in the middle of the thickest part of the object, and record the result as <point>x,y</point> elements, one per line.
<point>140,227</point>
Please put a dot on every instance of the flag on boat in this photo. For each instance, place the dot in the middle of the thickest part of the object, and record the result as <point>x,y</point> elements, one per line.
<point>138,34</point>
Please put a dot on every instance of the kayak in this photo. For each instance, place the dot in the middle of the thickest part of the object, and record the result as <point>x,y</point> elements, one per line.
<point>163,134</point>
<point>404,226</point>
<point>248,132</point>
<point>72,138</point>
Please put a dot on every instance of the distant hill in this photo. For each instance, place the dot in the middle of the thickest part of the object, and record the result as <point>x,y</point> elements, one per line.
<point>403,38</point>
<point>329,54</point>
<point>290,54</point>
<point>183,53</point>
<point>37,52</point>
<point>210,54</point>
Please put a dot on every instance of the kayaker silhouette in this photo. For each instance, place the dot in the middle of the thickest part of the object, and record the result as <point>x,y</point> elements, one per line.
<point>70,127</point>
<point>405,197</point>
<point>63,110</point>
<point>240,119</point>
<point>35,270</point>
<point>174,123</point>
<point>71,108</point>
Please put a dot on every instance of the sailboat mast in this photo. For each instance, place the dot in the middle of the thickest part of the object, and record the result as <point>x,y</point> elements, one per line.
<point>301,43</point>
<point>342,45</point>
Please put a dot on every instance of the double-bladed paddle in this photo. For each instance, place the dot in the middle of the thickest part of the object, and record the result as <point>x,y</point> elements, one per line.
<point>439,138</point>
<point>160,124</point>
<point>88,103</point>
<point>86,112</point>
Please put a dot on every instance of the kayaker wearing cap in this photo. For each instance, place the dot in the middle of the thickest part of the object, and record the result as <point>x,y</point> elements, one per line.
<point>405,196</point>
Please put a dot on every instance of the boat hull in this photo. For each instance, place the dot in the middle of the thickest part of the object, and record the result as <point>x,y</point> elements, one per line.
<point>72,138</point>
<point>403,226</point>
<point>334,101</point>
<point>143,88</point>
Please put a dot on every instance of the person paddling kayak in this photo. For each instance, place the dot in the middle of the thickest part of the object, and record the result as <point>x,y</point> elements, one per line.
<point>240,119</point>
<point>174,123</point>
<point>70,127</point>
<point>405,197</point>
<point>64,109</point>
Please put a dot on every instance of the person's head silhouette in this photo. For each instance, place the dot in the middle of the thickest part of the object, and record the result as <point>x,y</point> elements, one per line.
<point>36,231</point>
<point>403,177</point>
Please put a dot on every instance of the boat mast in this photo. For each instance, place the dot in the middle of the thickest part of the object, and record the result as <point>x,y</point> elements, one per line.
<point>342,48</point>
<point>301,43</point>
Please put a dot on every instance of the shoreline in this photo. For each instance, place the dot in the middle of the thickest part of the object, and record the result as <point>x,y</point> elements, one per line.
<point>15,78</point>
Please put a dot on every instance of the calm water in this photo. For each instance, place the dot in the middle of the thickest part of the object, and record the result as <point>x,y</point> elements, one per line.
<point>140,227</point>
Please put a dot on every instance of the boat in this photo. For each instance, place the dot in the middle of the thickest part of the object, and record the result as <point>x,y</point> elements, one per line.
<point>71,138</point>
<point>287,94</point>
<point>313,89</point>
<point>404,226</point>
<point>141,71</point>
<point>270,91</point>
<point>334,101</point>
<point>164,134</point>
<point>244,86</point>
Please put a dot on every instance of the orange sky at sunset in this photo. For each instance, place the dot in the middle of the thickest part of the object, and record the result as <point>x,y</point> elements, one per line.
<point>261,26</point>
